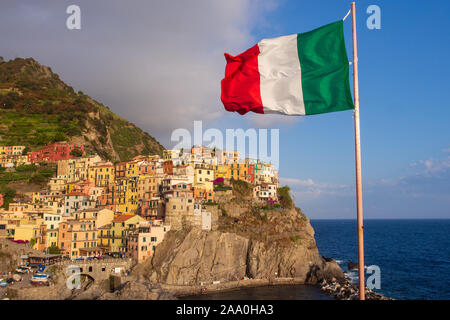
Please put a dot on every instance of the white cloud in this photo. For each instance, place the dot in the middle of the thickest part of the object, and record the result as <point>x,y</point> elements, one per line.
<point>423,192</point>
<point>305,190</point>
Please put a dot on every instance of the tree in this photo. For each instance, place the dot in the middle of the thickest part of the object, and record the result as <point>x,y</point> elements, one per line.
<point>48,107</point>
<point>76,152</point>
<point>59,136</point>
<point>8,195</point>
<point>25,151</point>
<point>285,197</point>
<point>32,242</point>
<point>37,178</point>
<point>54,250</point>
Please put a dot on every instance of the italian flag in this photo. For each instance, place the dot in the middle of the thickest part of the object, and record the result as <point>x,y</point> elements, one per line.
<point>299,74</point>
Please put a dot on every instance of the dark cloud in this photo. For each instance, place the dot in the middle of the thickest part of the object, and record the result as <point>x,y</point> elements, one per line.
<point>156,63</point>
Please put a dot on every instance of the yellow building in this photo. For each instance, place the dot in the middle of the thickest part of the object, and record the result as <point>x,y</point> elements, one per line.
<point>222,171</point>
<point>52,221</point>
<point>52,238</point>
<point>171,154</point>
<point>76,169</point>
<point>102,174</point>
<point>100,216</point>
<point>104,237</point>
<point>132,169</point>
<point>127,195</point>
<point>203,176</point>
<point>120,227</point>
<point>238,171</point>
<point>57,184</point>
<point>26,232</point>
<point>148,186</point>
<point>21,160</point>
<point>4,228</point>
<point>11,150</point>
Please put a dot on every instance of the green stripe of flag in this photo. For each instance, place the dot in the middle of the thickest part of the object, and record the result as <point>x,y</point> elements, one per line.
<point>324,69</point>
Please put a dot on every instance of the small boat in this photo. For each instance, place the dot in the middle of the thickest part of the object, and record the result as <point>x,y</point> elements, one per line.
<point>3,283</point>
<point>40,279</point>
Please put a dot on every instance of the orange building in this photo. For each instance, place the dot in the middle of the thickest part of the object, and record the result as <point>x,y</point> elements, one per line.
<point>78,238</point>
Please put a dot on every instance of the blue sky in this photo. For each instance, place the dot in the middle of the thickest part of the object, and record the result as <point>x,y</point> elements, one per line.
<point>159,64</point>
<point>405,113</point>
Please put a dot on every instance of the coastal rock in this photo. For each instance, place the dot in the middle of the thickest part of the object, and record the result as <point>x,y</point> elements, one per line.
<point>345,290</point>
<point>282,246</point>
<point>137,290</point>
<point>352,266</point>
<point>290,261</point>
<point>200,256</point>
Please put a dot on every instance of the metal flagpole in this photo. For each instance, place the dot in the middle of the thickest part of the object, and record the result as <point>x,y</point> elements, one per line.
<point>358,164</point>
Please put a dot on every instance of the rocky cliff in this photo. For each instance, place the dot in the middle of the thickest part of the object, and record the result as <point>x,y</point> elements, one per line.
<point>250,242</point>
<point>37,108</point>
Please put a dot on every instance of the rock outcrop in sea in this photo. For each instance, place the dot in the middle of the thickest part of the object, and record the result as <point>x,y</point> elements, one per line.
<point>345,290</point>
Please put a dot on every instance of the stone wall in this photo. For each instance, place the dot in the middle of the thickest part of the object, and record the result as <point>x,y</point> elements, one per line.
<point>97,269</point>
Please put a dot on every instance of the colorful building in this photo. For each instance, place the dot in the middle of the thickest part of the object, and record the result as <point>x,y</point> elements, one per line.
<point>78,238</point>
<point>126,195</point>
<point>142,242</point>
<point>120,227</point>
<point>102,174</point>
<point>54,152</point>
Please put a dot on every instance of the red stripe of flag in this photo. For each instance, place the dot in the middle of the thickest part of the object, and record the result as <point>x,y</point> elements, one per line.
<point>241,85</point>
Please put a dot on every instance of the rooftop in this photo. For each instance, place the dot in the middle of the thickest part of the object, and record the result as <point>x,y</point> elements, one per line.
<point>123,218</point>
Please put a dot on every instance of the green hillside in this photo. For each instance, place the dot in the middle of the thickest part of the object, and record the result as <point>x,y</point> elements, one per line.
<point>37,108</point>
